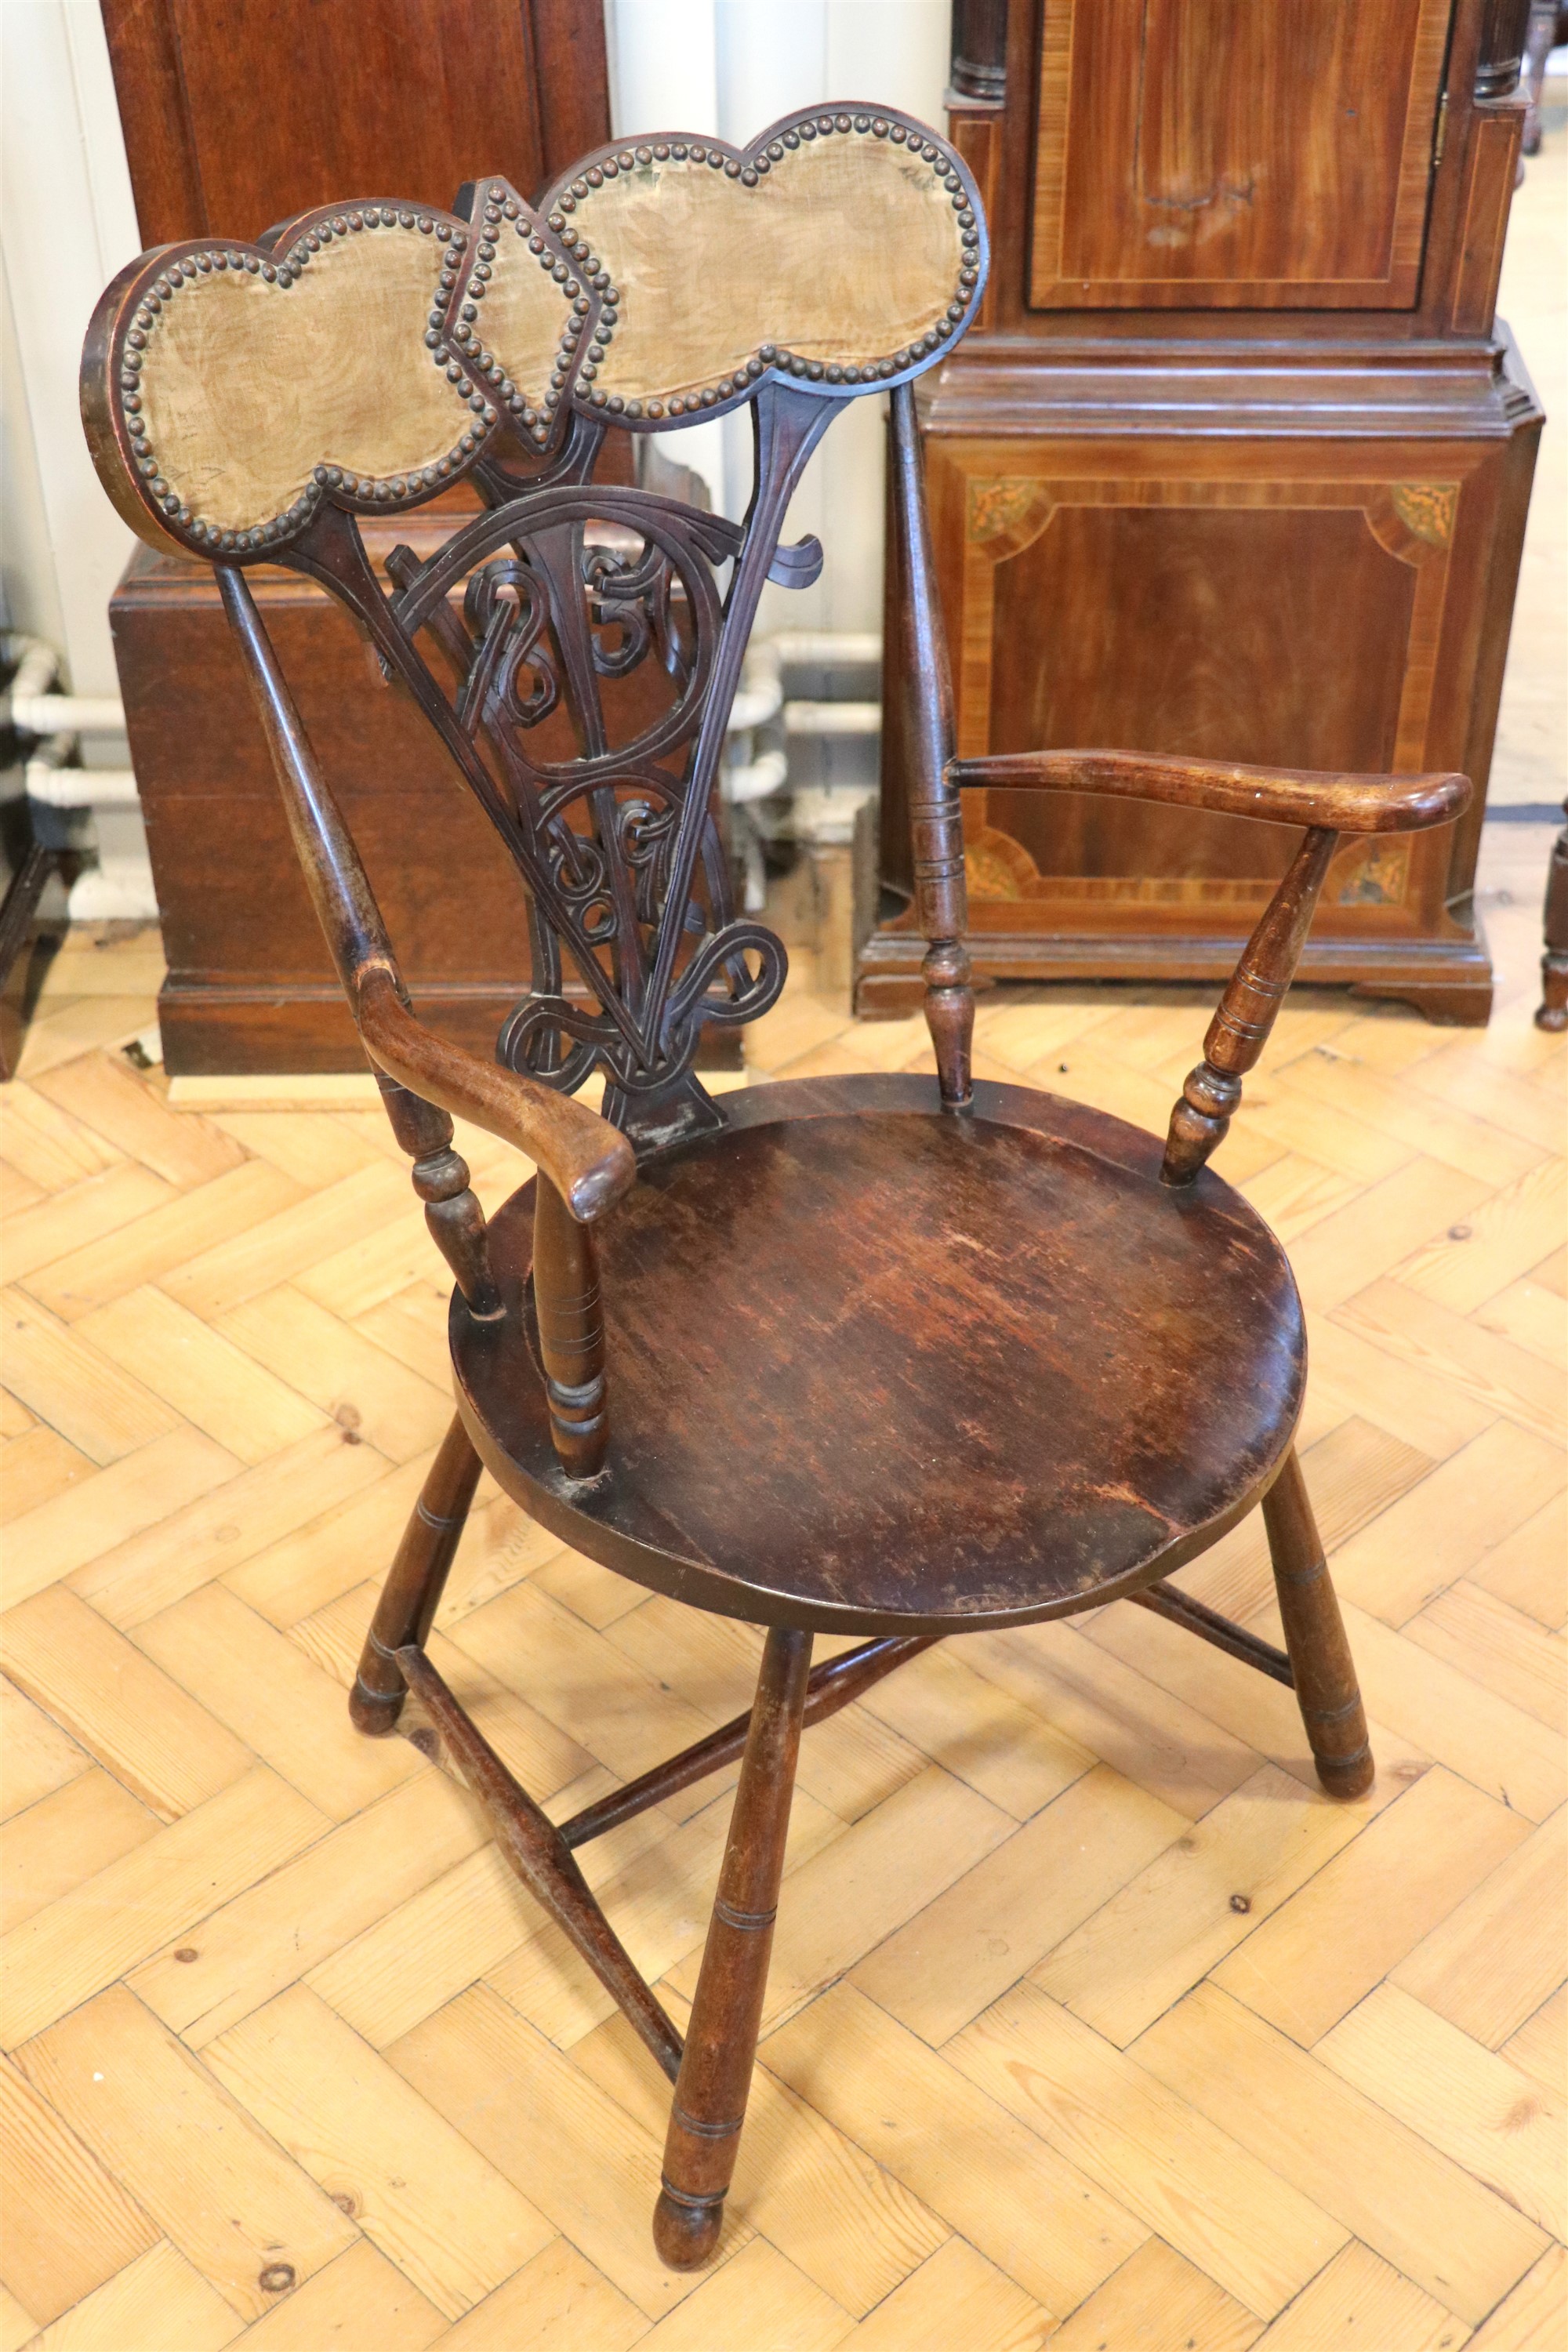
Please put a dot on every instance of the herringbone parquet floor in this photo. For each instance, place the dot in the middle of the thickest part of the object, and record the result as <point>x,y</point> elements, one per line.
<point>1090,2018</point>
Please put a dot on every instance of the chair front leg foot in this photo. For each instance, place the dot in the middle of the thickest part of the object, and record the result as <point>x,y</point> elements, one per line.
<point>413,1590</point>
<point>1326,1685</point>
<point>715,2076</point>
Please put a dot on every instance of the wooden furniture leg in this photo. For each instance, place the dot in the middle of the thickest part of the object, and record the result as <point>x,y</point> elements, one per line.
<point>715,2076</point>
<point>1319,1655</point>
<point>413,1590</point>
<point>1553,1010</point>
<point>529,1843</point>
<point>1538,41</point>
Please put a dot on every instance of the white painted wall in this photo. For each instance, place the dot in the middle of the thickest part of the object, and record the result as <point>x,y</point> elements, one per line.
<point>730,68</point>
<point>67,224</point>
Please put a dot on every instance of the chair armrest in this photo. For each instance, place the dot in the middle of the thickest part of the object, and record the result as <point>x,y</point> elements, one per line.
<point>589,1162</point>
<point>1280,795</point>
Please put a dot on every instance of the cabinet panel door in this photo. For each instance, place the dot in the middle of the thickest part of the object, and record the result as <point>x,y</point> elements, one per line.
<point>1235,153</point>
<point>238,114</point>
<point>1286,604</point>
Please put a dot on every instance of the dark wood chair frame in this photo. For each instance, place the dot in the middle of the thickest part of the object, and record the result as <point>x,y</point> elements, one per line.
<point>637,900</point>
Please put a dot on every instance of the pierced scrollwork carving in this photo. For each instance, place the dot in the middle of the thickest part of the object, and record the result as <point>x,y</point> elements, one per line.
<point>734,975</point>
<point>576,650</point>
<point>511,674</point>
<point>635,597</point>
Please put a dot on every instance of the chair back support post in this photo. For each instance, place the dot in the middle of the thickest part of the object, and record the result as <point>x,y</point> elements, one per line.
<point>936,817</point>
<point>339,886</point>
<point>1253,995</point>
<point>357,938</point>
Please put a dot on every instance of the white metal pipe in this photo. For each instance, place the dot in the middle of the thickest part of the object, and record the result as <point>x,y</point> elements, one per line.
<point>38,664</point>
<point>30,703</point>
<point>51,781</point>
<point>56,714</point>
<point>756,780</point>
<point>832,718</point>
<point>828,648</point>
<point>761,693</point>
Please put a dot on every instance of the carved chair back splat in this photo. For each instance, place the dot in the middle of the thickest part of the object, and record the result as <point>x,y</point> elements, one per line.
<point>726,1348</point>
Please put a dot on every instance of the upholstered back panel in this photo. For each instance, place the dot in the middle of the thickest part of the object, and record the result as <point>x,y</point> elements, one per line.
<point>370,351</point>
<point>230,380</point>
<point>302,360</point>
<point>841,242</point>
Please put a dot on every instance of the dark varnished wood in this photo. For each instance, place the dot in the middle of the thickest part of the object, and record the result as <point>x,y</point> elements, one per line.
<point>440,1178</point>
<point>880,1371</point>
<point>569,1320</point>
<point>1370,804</point>
<point>405,94</point>
<point>1196,1616</point>
<point>18,975</point>
<point>1320,1661</point>
<point>831,1685</point>
<point>588,1162</point>
<point>1166,489</point>
<point>936,812</point>
<point>412,1593</point>
<point>1219,104</point>
<point>1553,1010</point>
<point>1327,804</point>
<point>878,1368</point>
<point>1240,1029</point>
<point>1194,153</point>
<point>715,2078</point>
<point>533,1846</point>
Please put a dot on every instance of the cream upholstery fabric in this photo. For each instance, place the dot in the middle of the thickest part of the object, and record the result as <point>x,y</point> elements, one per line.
<point>248,385</point>
<point>846,251</point>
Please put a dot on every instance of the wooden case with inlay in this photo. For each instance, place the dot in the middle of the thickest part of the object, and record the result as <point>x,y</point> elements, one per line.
<point>1235,463</point>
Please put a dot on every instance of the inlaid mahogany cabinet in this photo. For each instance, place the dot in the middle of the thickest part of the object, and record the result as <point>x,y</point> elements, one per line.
<point>899,1357</point>
<point>1235,463</point>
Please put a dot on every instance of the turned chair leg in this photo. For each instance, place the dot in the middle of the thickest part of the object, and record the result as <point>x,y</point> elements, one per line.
<point>1319,1655</point>
<point>715,2077</point>
<point>413,1590</point>
<point>1553,1010</point>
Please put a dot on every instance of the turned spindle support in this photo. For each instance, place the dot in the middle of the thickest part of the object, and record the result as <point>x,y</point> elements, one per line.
<point>571,1321</point>
<point>715,2078</point>
<point>936,812</point>
<point>1553,1010</point>
<point>412,1593</point>
<point>440,1177</point>
<point>1321,1667</point>
<point>1239,1030</point>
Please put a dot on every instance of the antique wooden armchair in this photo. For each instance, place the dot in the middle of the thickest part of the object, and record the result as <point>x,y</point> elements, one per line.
<point>889,1356</point>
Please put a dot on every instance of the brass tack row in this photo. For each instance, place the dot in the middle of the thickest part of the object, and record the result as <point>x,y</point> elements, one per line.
<point>286,272</point>
<point>769,355</point>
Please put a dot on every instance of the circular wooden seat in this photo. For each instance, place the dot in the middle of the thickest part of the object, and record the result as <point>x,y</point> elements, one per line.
<point>876,1367</point>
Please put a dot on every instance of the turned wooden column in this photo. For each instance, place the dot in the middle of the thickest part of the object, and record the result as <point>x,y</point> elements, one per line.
<point>715,2077</point>
<point>1326,1685</point>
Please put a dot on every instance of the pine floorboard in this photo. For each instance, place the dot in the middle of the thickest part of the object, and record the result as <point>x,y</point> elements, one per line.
<point>1090,2019</point>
